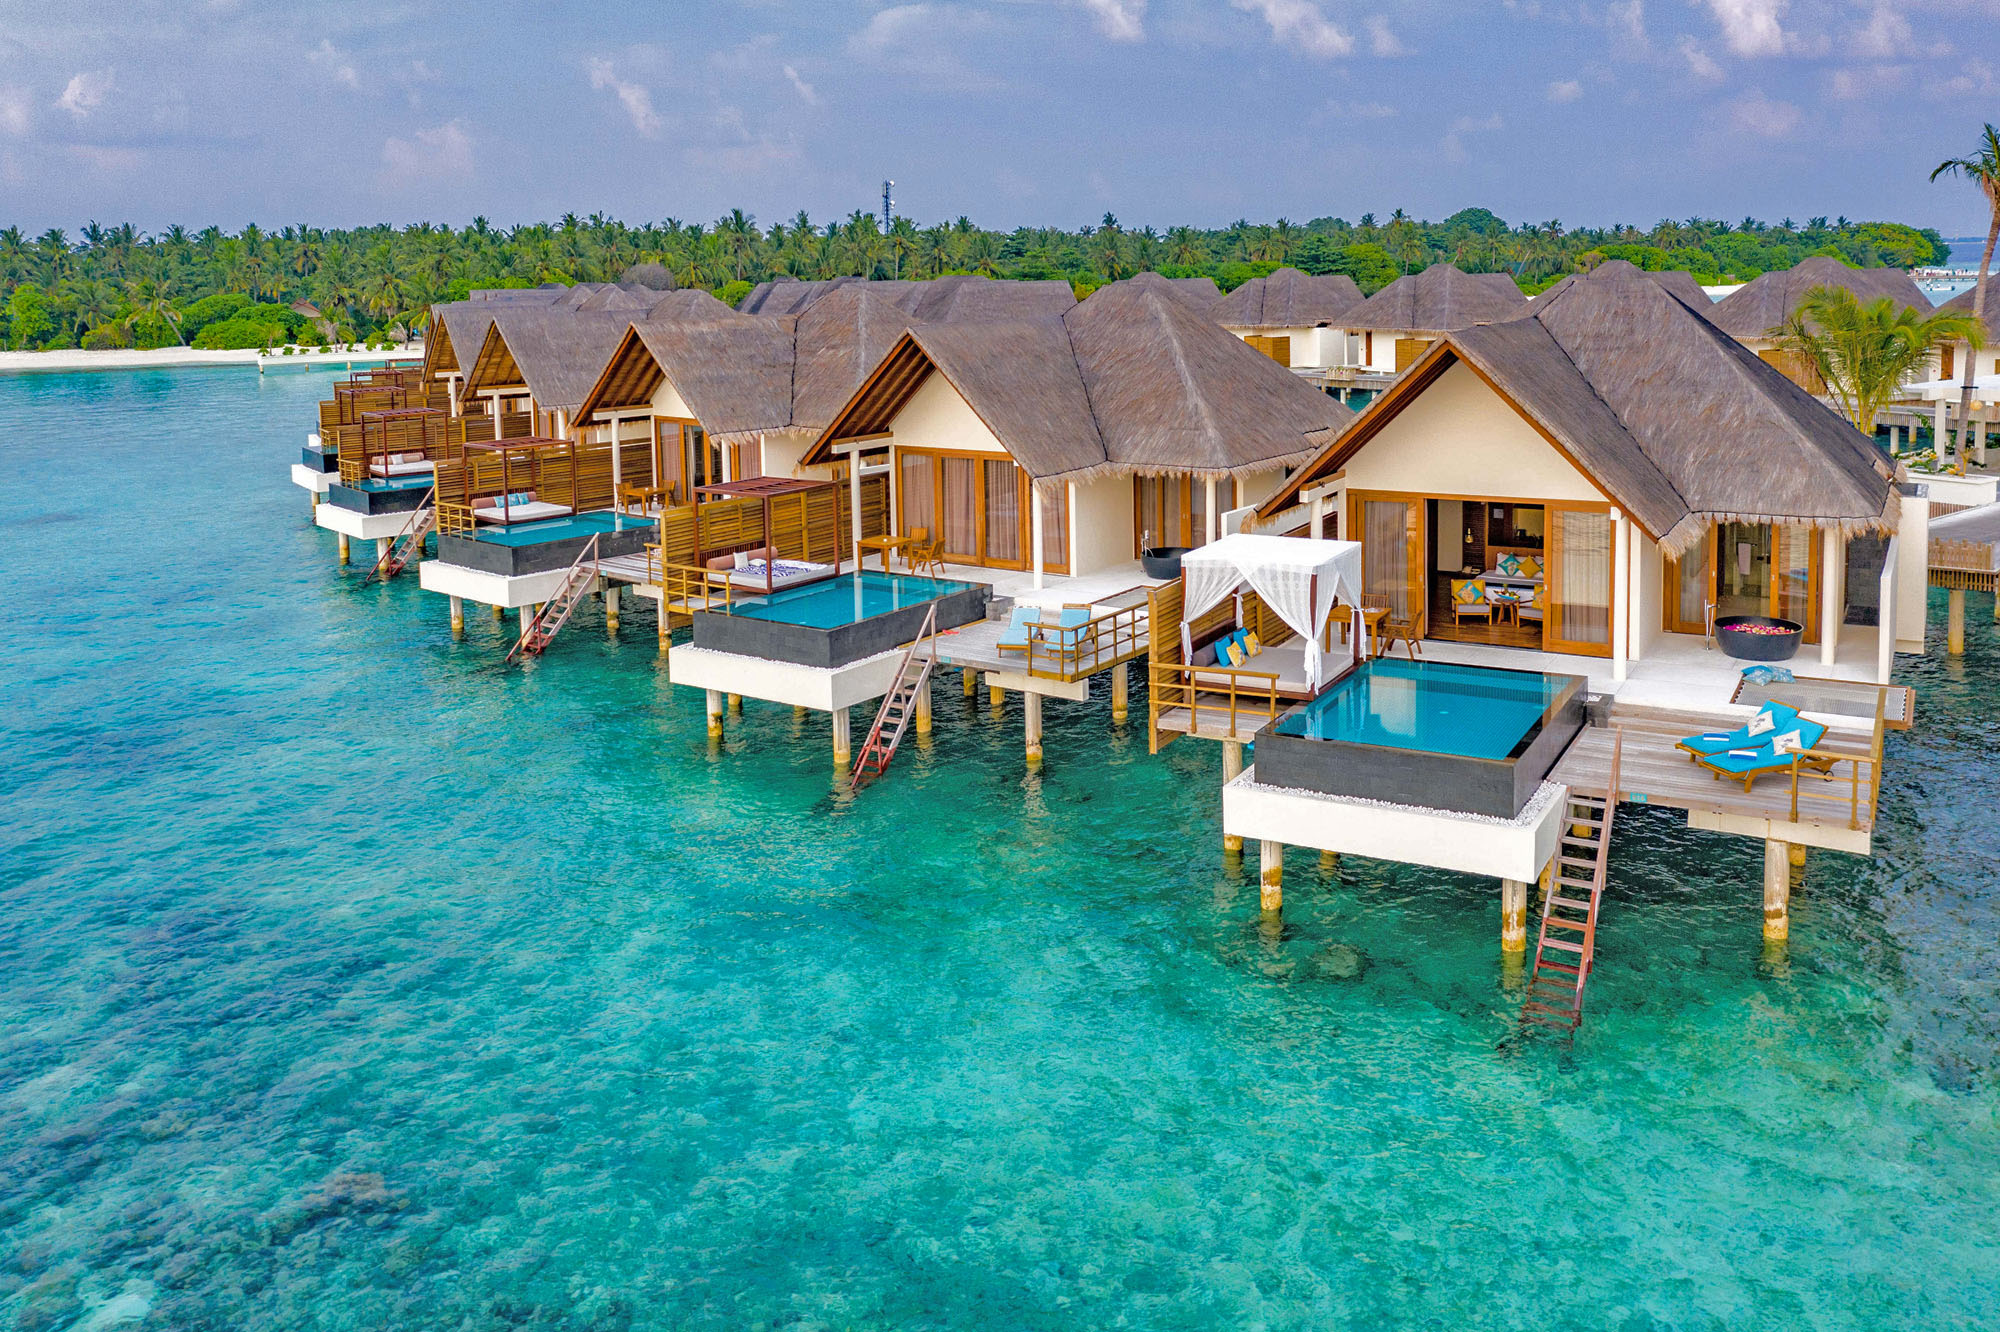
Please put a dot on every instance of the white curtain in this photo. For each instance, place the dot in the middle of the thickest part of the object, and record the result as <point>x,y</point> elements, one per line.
<point>1281,570</point>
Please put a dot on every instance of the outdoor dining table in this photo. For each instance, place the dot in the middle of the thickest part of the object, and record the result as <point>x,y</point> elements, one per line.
<point>884,545</point>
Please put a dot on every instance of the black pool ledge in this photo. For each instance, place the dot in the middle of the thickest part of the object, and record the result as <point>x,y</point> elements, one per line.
<point>842,645</point>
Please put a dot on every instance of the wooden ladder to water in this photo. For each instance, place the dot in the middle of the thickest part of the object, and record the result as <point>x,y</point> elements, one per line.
<point>913,677</point>
<point>555,612</point>
<point>1568,942</point>
<point>409,542</point>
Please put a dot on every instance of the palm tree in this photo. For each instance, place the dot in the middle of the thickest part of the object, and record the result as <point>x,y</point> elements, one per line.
<point>1866,353</point>
<point>1982,168</point>
<point>150,296</point>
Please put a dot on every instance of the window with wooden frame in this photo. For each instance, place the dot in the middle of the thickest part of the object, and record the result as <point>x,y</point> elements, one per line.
<point>1173,510</point>
<point>978,504</point>
<point>1278,349</point>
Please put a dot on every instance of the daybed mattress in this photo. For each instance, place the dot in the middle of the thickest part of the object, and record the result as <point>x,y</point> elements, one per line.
<point>523,513</point>
<point>399,469</point>
<point>1287,661</point>
<point>783,573</point>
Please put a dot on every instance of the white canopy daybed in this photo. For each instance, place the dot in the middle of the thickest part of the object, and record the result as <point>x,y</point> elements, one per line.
<point>1300,578</point>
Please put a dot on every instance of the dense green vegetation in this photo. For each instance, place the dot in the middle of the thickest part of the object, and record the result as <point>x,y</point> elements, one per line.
<point>114,287</point>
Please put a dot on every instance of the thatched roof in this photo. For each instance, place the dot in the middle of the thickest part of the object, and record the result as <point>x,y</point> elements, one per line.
<point>1130,381</point>
<point>1438,300</point>
<point>1675,421</point>
<point>1757,307</point>
<point>1678,282</point>
<point>957,296</point>
<point>735,374</point>
<point>554,353</point>
<point>1962,304</point>
<point>1287,299</point>
<point>456,332</point>
<point>1197,293</point>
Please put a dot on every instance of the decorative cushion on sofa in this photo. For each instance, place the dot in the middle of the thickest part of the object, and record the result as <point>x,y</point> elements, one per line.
<point>1510,565</point>
<point>1529,567</point>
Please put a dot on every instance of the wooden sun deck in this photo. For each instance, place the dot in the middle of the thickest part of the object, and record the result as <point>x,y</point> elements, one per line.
<point>1120,630</point>
<point>1836,811</point>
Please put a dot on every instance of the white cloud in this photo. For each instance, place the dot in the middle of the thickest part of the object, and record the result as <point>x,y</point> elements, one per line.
<point>15,111</point>
<point>805,90</point>
<point>1565,90</point>
<point>1859,83</point>
<point>1299,23</point>
<point>1754,113</point>
<point>334,61</point>
<point>1751,27</point>
<point>634,97</point>
<point>1120,20</point>
<point>1382,40</point>
<point>1366,111</point>
<point>1699,62</point>
<point>735,149</point>
<point>443,153</point>
<point>86,92</point>
<point>1627,21</point>
<point>1454,139</point>
<point>921,42</point>
<point>892,27</point>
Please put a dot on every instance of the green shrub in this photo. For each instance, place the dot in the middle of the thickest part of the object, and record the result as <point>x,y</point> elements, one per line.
<point>733,292</point>
<point>237,334</point>
<point>106,337</point>
<point>211,310</point>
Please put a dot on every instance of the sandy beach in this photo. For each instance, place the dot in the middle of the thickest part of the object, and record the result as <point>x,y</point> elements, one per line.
<point>128,359</point>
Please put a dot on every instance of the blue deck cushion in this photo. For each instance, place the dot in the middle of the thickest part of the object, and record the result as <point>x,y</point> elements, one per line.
<point>1717,742</point>
<point>1020,625</point>
<point>1063,632</point>
<point>1740,760</point>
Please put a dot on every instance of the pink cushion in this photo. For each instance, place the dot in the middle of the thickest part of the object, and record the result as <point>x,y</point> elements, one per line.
<point>722,563</point>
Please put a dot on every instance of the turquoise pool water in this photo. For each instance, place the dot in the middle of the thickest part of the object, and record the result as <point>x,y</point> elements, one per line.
<point>1434,706</point>
<point>561,529</point>
<point>846,599</point>
<point>351,980</point>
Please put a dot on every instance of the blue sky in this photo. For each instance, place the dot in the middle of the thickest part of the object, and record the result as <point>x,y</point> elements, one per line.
<point>1010,111</point>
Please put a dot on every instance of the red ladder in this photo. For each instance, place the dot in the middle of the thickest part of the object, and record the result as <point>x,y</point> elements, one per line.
<point>1568,942</point>
<point>409,542</point>
<point>913,677</point>
<point>555,612</point>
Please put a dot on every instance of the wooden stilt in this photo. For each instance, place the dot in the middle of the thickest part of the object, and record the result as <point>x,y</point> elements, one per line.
<point>1271,876</point>
<point>736,705</point>
<point>1777,892</point>
<point>1329,862</point>
<point>611,599</point>
<point>924,709</point>
<point>457,615</point>
<point>840,738</point>
<point>1798,853</point>
<point>714,700</point>
<point>1513,916</point>
<point>1232,768</point>
<point>995,695</point>
<point>971,682</point>
<point>499,612</point>
<point>1031,710</point>
<point>1954,625</point>
<point>1121,685</point>
<point>344,553</point>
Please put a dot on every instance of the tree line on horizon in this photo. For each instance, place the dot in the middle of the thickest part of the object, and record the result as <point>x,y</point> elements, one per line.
<point>115,287</point>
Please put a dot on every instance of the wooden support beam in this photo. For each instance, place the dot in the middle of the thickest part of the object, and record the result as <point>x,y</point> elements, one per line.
<point>1798,857</point>
<point>1270,876</point>
<point>1777,892</point>
<point>1031,711</point>
<point>1329,862</point>
<point>1954,624</point>
<point>1232,768</point>
<point>995,695</point>
<point>1121,690</point>
<point>1513,916</point>
<point>457,616</point>
<point>972,678</point>
<point>713,698</point>
<point>841,739</point>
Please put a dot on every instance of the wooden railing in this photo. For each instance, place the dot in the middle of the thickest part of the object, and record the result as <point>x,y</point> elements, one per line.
<point>689,587</point>
<point>1963,564</point>
<point>1841,779</point>
<point>1246,696</point>
<point>1070,653</point>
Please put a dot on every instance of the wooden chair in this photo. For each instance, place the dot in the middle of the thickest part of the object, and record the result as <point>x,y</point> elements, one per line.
<point>927,555</point>
<point>1468,601</point>
<point>1393,628</point>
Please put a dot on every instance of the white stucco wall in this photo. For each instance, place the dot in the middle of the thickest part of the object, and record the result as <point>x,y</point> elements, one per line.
<point>1649,610</point>
<point>936,417</point>
<point>1100,516</point>
<point>782,454</point>
<point>1459,437</point>
<point>667,401</point>
<point>1913,576</point>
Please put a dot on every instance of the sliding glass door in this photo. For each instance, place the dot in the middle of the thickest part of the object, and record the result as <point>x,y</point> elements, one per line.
<point>1392,555</point>
<point>978,505</point>
<point>1579,581</point>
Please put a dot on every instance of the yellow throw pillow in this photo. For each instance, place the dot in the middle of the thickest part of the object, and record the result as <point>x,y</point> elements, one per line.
<point>1251,647</point>
<point>1236,655</point>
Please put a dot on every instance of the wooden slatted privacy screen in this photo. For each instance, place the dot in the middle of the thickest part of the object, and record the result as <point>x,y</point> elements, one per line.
<point>382,434</point>
<point>1165,662</point>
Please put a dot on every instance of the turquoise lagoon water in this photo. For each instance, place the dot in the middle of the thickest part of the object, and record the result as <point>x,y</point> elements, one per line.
<point>1434,706</point>
<point>847,599</point>
<point>349,979</point>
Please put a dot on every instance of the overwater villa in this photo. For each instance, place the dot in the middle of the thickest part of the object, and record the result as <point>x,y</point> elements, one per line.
<point>1386,334</point>
<point>1293,318</point>
<point>1752,311</point>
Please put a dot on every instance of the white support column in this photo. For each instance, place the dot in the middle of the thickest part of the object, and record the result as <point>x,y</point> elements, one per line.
<point>1513,916</point>
<point>451,387</point>
<point>1895,439</point>
<point>1232,768</point>
<point>562,424</point>
<point>1777,892</point>
<point>1031,713</point>
<point>924,709</point>
<point>1213,519</point>
<point>1318,515</point>
<point>611,598</point>
<point>1121,691</point>
<point>1635,606</point>
<point>854,499</point>
<point>345,552</point>
<point>493,410</point>
<point>840,738</point>
<point>1270,876</point>
<point>1885,617</point>
<point>457,615</point>
<point>381,549</point>
<point>713,703</point>
<point>1833,568</point>
<point>617,461</point>
<point>1035,530</point>
<point>1621,580</point>
<point>1941,429</point>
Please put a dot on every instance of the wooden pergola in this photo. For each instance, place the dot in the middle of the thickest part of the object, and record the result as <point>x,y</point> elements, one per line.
<point>801,520</point>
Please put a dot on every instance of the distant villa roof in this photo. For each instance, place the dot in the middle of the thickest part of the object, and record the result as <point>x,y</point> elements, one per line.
<point>1438,300</point>
<point>1676,281</point>
<point>1757,307</point>
<point>1131,381</point>
<point>1962,304</point>
<point>1287,299</point>
<point>1674,420</point>
<point>958,295</point>
<point>1197,293</point>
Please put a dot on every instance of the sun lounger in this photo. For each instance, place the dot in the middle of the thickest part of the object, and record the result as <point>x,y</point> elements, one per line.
<point>1786,749</point>
<point>1709,743</point>
<point>528,512</point>
<point>1021,624</point>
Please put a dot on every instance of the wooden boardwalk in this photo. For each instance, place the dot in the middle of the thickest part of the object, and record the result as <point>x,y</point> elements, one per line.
<point>1120,631</point>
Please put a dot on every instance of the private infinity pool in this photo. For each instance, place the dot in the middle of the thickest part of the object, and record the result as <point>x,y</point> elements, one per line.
<point>840,620</point>
<point>1446,736</point>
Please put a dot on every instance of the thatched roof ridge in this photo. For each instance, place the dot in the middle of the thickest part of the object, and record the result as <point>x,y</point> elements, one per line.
<point>1287,298</point>
<point>1962,304</point>
<point>1438,300</point>
<point>1197,293</point>
<point>1131,381</point>
<point>464,325</point>
<point>735,374</point>
<point>1757,307</point>
<point>786,296</point>
<point>558,352</point>
<point>1675,420</point>
<point>1678,282</point>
